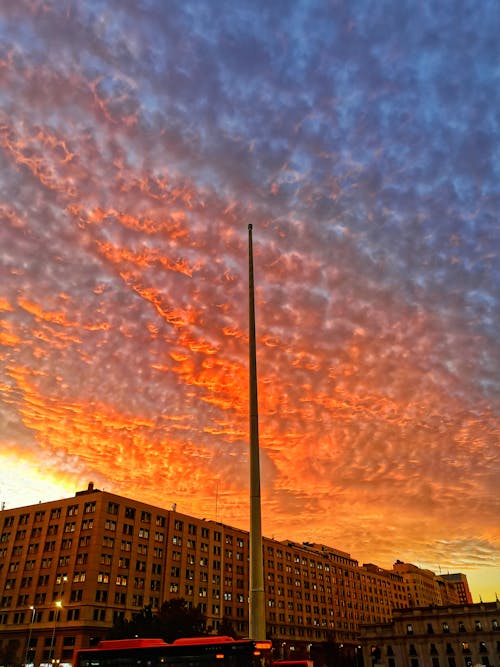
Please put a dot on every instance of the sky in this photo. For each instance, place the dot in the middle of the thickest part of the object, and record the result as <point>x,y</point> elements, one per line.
<point>361,139</point>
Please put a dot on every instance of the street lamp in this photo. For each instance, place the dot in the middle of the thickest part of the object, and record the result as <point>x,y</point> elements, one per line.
<point>58,604</point>
<point>26,657</point>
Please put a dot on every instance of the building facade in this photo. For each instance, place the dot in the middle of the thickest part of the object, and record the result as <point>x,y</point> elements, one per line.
<point>70,569</point>
<point>447,636</point>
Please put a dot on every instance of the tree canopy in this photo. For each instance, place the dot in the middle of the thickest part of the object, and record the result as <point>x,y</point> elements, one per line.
<point>175,619</point>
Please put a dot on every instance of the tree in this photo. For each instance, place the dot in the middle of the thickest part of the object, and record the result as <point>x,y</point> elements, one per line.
<point>9,653</point>
<point>226,628</point>
<point>175,619</point>
<point>178,619</point>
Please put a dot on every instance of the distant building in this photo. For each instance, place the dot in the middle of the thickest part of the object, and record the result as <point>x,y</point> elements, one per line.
<point>70,569</point>
<point>424,588</point>
<point>448,636</point>
<point>459,581</point>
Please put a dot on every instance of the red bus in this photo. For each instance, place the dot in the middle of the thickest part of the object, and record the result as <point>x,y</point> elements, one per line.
<point>192,652</point>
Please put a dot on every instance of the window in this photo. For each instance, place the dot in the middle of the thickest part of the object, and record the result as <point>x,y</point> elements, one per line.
<point>130,512</point>
<point>87,524</point>
<point>19,618</point>
<point>128,529</point>
<point>72,510</point>
<point>108,542</point>
<point>101,595</point>
<point>110,524</point>
<point>103,577</point>
<point>99,614</point>
<point>113,508</point>
<point>144,533</point>
<point>146,517</point>
<point>118,617</point>
<point>89,507</point>
<point>81,559</point>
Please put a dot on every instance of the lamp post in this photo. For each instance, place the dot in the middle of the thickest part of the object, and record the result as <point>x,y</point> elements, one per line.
<point>26,657</point>
<point>58,603</point>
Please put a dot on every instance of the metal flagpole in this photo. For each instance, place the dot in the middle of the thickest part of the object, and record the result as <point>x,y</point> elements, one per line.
<point>257,608</point>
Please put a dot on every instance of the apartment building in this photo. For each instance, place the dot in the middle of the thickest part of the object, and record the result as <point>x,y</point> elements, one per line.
<point>448,636</point>
<point>424,588</point>
<point>460,585</point>
<point>70,569</point>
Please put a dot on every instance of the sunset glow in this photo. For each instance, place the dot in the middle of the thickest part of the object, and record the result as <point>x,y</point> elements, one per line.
<point>362,141</point>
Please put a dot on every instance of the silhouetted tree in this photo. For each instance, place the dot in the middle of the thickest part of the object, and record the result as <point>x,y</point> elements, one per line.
<point>174,619</point>
<point>9,654</point>
<point>178,619</point>
<point>226,629</point>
